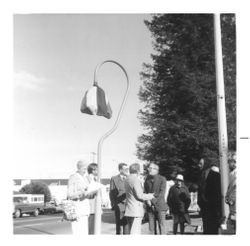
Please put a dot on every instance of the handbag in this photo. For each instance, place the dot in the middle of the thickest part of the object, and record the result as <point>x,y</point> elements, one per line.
<point>69,210</point>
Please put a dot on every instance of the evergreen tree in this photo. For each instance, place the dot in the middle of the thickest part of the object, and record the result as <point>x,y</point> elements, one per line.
<point>179,92</point>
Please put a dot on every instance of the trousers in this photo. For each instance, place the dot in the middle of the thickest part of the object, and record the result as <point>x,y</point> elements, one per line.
<point>134,224</point>
<point>157,218</point>
<point>91,221</point>
<point>121,222</point>
<point>80,227</point>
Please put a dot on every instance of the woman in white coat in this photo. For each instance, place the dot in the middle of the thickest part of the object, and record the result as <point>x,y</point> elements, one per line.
<point>78,192</point>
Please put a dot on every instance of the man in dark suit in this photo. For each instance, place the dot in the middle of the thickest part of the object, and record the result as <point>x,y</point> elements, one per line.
<point>157,207</point>
<point>214,203</point>
<point>117,196</point>
<point>204,167</point>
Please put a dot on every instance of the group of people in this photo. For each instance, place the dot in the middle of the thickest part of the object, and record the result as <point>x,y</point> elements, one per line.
<point>209,197</point>
<point>133,195</point>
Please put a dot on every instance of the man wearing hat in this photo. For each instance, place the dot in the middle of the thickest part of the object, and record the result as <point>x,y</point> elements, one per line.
<point>178,201</point>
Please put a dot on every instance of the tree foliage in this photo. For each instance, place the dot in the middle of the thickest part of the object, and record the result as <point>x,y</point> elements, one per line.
<point>37,188</point>
<point>179,92</point>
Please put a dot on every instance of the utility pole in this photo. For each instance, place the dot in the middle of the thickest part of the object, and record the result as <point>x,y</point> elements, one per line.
<point>221,111</point>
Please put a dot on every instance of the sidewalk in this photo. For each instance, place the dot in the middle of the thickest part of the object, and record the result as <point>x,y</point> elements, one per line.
<point>108,224</point>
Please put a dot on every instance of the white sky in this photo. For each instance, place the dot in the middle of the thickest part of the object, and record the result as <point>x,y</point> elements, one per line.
<point>54,60</point>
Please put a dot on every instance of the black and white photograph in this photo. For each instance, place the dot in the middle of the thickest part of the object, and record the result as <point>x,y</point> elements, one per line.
<point>124,124</point>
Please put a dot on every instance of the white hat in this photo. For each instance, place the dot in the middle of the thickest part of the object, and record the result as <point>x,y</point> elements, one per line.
<point>179,177</point>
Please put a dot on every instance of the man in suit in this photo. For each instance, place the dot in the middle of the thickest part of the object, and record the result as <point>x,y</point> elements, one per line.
<point>117,196</point>
<point>204,167</point>
<point>135,198</point>
<point>157,207</point>
<point>214,203</point>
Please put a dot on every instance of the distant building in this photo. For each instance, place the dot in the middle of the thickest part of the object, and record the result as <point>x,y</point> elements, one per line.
<point>58,187</point>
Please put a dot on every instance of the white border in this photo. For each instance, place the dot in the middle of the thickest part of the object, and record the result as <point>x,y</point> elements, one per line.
<point>129,6</point>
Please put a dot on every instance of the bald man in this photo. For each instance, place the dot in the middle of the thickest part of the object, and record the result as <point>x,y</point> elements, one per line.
<point>157,207</point>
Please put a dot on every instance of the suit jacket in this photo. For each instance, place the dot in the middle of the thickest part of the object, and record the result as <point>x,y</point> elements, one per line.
<point>202,202</point>
<point>157,185</point>
<point>134,197</point>
<point>117,193</point>
<point>213,191</point>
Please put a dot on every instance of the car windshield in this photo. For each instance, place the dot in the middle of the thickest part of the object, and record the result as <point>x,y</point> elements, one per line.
<point>20,199</point>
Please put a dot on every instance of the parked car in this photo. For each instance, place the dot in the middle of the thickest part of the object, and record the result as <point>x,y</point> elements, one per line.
<point>28,204</point>
<point>52,208</point>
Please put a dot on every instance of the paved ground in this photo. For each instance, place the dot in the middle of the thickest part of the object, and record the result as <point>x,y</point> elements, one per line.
<point>43,224</point>
<point>52,224</point>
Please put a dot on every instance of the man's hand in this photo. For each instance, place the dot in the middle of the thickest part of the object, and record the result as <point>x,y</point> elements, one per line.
<point>150,196</point>
<point>149,203</point>
<point>82,197</point>
<point>91,196</point>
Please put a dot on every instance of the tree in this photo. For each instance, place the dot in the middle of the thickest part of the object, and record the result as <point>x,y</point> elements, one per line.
<point>37,188</point>
<point>179,92</point>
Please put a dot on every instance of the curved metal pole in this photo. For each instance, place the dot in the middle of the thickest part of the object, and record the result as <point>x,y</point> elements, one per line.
<point>98,209</point>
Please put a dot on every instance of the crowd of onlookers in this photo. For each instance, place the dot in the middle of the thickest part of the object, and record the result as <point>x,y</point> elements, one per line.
<point>134,195</point>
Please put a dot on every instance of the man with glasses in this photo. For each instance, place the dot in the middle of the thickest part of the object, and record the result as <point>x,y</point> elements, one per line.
<point>157,207</point>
